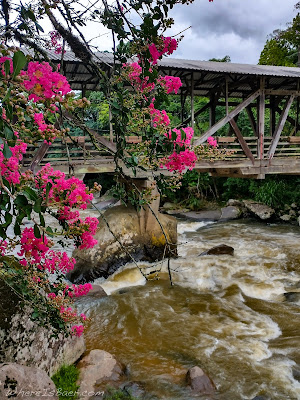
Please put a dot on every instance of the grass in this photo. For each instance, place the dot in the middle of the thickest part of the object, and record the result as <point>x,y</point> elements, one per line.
<point>65,380</point>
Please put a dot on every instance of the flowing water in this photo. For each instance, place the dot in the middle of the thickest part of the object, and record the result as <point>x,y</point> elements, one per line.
<point>227,314</point>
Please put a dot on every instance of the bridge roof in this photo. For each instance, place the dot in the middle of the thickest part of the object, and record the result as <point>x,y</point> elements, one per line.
<point>206,75</point>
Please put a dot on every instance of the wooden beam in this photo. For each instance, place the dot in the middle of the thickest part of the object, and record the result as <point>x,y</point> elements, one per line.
<point>241,140</point>
<point>228,117</point>
<point>261,121</point>
<point>282,92</point>
<point>251,119</point>
<point>226,95</point>
<point>279,127</point>
<point>212,110</point>
<point>192,102</point>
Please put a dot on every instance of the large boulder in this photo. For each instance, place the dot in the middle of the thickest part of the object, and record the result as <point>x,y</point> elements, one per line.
<point>230,212</point>
<point>27,343</point>
<point>259,210</point>
<point>199,382</point>
<point>21,382</point>
<point>97,370</point>
<point>121,235</point>
<point>218,250</point>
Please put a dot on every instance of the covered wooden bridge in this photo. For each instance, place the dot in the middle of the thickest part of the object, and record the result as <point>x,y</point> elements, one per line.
<point>268,95</point>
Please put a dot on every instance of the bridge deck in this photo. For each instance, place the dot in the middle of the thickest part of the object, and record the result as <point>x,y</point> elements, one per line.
<point>79,157</point>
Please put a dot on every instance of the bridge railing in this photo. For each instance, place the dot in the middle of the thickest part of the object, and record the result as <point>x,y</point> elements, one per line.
<point>81,149</point>
<point>288,146</point>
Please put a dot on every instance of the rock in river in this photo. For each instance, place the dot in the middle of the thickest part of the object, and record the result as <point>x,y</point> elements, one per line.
<point>129,238</point>
<point>199,382</point>
<point>218,250</point>
<point>259,210</point>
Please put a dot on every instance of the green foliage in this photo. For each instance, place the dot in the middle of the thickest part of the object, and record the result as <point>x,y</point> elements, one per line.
<point>65,381</point>
<point>273,191</point>
<point>276,53</point>
<point>194,190</point>
<point>224,59</point>
<point>105,180</point>
<point>115,394</point>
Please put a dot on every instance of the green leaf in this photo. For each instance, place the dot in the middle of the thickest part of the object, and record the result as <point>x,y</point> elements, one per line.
<point>21,200</point>
<point>38,27</point>
<point>19,62</point>
<point>17,229</point>
<point>6,151</point>
<point>3,233</point>
<point>37,205</point>
<point>36,231</point>
<point>30,193</point>
<point>7,96</point>
<point>49,231</point>
<point>48,187</point>
<point>7,67</point>
<point>42,220</point>
<point>8,218</point>
<point>8,132</point>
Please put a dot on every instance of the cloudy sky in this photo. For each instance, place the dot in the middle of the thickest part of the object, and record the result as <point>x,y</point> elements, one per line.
<point>237,28</point>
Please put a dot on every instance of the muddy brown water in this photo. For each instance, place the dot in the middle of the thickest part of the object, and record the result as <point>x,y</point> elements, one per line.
<point>226,314</point>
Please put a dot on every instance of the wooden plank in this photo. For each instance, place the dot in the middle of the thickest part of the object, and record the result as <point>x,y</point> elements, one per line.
<point>294,139</point>
<point>261,120</point>
<point>192,101</point>
<point>227,118</point>
<point>279,127</point>
<point>221,139</point>
<point>282,92</point>
<point>241,140</point>
<point>252,120</point>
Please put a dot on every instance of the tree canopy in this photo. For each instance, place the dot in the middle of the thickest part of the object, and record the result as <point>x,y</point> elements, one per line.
<point>282,47</point>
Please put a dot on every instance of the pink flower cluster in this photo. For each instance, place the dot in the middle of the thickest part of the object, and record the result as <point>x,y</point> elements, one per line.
<point>186,158</point>
<point>69,193</point>
<point>134,72</point>
<point>39,120</point>
<point>36,252</point>
<point>185,141</point>
<point>34,249</point>
<point>168,46</point>
<point>170,83</point>
<point>210,140</point>
<point>78,290</point>
<point>180,161</point>
<point>57,261</point>
<point>9,167</point>
<point>158,117</point>
<point>77,330</point>
<point>55,37</point>
<point>42,82</point>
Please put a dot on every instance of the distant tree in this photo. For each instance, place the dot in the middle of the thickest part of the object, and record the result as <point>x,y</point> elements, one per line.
<point>224,59</point>
<point>283,46</point>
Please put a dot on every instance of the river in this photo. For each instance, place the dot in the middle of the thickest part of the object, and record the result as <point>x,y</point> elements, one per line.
<point>226,314</point>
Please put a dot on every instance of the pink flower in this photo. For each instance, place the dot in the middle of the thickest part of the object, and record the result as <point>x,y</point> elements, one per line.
<point>170,83</point>
<point>77,330</point>
<point>212,142</point>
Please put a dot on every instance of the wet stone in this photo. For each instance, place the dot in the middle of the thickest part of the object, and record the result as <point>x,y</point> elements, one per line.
<point>219,250</point>
<point>199,382</point>
<point>292,296</point>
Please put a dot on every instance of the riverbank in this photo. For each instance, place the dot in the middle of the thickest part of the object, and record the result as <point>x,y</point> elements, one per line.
<point>237,209</point>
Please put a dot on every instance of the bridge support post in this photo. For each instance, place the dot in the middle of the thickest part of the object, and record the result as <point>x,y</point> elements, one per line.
<point>146,218</point>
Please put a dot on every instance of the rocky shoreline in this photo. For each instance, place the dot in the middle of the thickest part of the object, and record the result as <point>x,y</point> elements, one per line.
<point>239,209</point>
